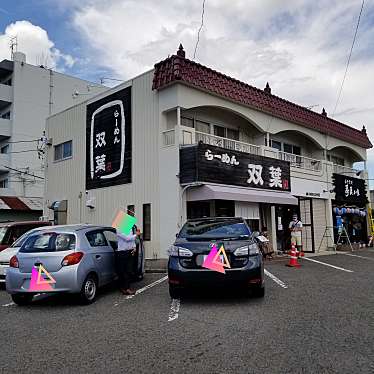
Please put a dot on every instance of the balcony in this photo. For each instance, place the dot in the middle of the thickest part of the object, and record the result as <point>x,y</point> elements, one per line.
<point>193,137</point>
<point>4,163</point>
<point>301,162</point>
<point>5,128</point>
<point>6,95</point>
<point>234,145</point>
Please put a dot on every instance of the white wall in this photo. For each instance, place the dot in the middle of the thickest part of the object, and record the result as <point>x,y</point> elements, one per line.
<point>66,179</point>
<point>30,108</point>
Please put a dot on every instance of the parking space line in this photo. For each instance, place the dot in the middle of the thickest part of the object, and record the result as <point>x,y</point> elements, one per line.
<point>275,279</point>
<point>365,258</point>
<point>331,266</point>
<point>10,304</point>
<point>140,290</point>
<point>174,310</point>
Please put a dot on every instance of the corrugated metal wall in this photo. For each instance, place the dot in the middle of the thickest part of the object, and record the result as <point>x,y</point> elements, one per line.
<point>66,179</point>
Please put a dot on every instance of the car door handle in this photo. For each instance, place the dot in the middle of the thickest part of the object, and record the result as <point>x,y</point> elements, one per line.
<point>98,256</point>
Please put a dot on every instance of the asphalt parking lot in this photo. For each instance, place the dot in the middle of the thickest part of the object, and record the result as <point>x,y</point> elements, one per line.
<point>316,319</point>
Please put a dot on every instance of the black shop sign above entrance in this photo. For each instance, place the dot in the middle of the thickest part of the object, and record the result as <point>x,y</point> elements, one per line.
<point>349,190</point>
<point>207,163</point>
<point>108,140</point>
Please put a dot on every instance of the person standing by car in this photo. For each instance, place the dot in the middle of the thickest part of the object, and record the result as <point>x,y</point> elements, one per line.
<point>124,260</point>
<point>296,227</point>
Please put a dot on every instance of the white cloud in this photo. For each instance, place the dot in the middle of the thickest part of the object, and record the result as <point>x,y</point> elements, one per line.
<point>299,46</point>
<point>35,43</point>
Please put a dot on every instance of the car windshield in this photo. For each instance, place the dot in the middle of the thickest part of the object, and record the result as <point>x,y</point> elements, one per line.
<point>215,229</point>
<point>3,231</point>
<point>48,242</point>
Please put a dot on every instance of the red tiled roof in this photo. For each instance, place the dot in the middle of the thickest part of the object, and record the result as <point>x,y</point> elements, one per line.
<point>21,203</point>
<point>177,69</point>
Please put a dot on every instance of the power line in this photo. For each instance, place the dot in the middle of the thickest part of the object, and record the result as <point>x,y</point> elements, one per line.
<point>349,58</point>
<point>29,150</point>
<point>23,172</point>
<point>201,26</point>
<point>24,141</point>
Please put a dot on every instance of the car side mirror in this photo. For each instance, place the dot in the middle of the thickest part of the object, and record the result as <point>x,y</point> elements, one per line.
<point>256,234</point>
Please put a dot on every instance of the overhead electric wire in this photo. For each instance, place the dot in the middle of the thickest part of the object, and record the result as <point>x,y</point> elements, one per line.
<point>201,26</point>
<point>29,150</point>
<point>23,172</point>
<point>24,141</point>
<point>349,58</point>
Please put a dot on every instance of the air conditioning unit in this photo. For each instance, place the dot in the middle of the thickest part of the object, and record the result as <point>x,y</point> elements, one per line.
<point>43,218</point>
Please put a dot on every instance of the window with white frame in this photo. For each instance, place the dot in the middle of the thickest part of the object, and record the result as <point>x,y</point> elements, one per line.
<point>225,132</point>
<point>63,151</point>
<point>290,148</point>
<point>202,126</point>
<point>5,115</point>
<point>187,122</point>
<point>286,147</point>
<point>4,183</point>
<point>335,160</point>
<point>277,145</point>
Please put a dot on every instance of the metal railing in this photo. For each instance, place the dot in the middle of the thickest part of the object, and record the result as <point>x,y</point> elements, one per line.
<point>168,137</point>
<point>234,145</point>
<point>301,162</point>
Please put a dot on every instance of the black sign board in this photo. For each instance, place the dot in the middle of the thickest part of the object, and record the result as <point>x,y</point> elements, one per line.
<point>108,140</point>
<point>349,190</point>
<point>207,163</point>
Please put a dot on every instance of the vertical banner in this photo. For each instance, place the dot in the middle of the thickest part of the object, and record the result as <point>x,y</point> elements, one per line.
<point>108,141</point>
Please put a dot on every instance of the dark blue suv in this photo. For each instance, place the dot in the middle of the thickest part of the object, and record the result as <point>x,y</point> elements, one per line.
<point>193,244</point>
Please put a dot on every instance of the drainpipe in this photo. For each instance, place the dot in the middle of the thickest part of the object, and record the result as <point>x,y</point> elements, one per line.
<point>178,132</point>
<point>273,229</point>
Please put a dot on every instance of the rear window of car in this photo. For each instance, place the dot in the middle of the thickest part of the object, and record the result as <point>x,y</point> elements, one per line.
<point>48,242</point>
<point>215,229</point>
<point>20,240</point>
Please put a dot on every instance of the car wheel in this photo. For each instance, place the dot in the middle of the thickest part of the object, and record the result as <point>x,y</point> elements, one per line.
<point>174,293</point>
<point>22,299</point>
<point>89,290</point>
<point>259,292</point>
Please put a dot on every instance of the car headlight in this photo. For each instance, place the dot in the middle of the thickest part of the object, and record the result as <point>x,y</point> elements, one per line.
<point>249,250</point>
<point>242,251</point>
<point>175,251</point>
<point>253,249</point>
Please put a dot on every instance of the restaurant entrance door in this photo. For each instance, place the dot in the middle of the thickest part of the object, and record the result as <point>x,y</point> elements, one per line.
<point>306,217</point>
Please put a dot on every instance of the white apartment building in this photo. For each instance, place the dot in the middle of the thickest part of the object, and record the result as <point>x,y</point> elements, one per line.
<point>184,141</point>
<point>28,95</point>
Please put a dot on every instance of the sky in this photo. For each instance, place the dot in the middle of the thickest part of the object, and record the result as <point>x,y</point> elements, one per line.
<point>300,47</point>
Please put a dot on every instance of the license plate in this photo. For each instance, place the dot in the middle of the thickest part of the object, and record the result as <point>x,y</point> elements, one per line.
<point>220,256</point>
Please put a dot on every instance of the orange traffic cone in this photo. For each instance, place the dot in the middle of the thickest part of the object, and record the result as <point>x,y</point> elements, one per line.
<point>293,259</point>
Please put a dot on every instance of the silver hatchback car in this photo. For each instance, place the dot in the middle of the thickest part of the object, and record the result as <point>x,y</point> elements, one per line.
<point>78,258</point>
